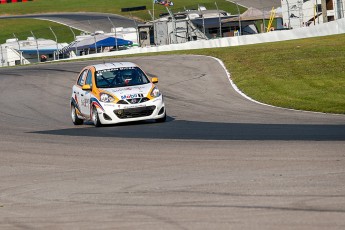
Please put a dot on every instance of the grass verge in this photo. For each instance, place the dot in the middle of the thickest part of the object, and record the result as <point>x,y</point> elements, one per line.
<point>40,28</point>
<point>305,74</point>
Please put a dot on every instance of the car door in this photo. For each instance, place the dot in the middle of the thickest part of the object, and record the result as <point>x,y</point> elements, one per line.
<point>85,95</point>
<point>79,92</point>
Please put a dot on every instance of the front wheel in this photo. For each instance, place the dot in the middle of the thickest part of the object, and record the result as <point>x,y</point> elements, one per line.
<point>75,119</point>
<point>95,118</point>
<point>163,119</point>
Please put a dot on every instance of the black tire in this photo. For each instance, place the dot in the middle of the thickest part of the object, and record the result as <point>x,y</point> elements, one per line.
<point>163,119</point>
<point>75,119</point>
<point>95,118</point>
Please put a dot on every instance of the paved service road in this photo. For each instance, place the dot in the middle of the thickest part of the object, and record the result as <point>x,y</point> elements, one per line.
<point>219,162</point>
<point>259,4</point>
<point>88,22</point>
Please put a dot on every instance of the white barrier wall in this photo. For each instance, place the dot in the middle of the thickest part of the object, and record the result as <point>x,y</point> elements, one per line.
<point>330,28</point>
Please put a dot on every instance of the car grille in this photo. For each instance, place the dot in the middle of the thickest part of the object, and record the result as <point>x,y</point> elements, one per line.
<point>134,112</point>
<point>122,102</point>
<point>133,101</point>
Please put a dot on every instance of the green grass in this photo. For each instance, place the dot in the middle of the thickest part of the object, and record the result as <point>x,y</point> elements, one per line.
<point>108,6</point>
<point>306,74</point>
<point>19,27</point>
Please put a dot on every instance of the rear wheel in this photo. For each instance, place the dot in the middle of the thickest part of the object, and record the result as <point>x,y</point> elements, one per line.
<point>95,118</point>
<point>75,119</point>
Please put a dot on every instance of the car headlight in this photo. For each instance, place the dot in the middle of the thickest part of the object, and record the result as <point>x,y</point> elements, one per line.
<point>106,97</point>
<point>155,92</point>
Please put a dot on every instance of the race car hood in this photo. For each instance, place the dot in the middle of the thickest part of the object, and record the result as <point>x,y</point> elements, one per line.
<point>130,92</point>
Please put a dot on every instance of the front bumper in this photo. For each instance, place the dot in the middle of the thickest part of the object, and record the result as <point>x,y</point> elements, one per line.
<point>118,113</point>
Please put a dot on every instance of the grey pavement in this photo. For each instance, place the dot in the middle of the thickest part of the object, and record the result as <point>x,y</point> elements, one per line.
<point>219,162</point>
<point>259,4</point>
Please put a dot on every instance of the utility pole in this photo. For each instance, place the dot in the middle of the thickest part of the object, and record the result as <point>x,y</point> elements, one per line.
<point>116,47</point>
<point>38,52</point>
<point>263,16</point>
<point>203,20</point>
<point>153,9</point>
<point>57,44</point>
<point>135,27</point>
<point>150,15</point>
<point>21,55</point>
<point>220,21</point>
<point>76,49</point>
<point>239,20</point>
<point>324,10</point>
<point>174,40</point>
<point>288,6</point>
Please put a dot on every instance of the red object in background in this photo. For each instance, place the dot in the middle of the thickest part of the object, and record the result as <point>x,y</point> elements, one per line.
<point>12,1</point>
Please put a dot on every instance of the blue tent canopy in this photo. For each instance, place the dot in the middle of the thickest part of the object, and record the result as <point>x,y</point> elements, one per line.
<point>111,41</point>
<point>101,41</point>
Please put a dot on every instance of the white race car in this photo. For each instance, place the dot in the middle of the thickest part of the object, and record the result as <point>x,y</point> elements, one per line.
<point>112,93</point>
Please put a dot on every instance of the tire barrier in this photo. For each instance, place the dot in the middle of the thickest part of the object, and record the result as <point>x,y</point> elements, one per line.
<point>13,1</point>
<point>133,8</point>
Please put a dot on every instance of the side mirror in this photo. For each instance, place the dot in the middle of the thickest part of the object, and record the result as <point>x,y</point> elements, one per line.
<point>86,87</point>
<point>154,80</point>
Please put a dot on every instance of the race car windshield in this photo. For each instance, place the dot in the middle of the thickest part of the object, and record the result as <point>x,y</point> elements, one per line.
<point>119,77</point>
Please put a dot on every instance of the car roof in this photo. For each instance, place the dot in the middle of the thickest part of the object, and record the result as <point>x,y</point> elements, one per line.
<point>113,65</point>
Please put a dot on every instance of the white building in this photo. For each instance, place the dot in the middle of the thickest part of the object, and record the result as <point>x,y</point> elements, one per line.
<point>15,52</point>
<point>191,25</point>
<point>300,13</point>
<point>130,34</point>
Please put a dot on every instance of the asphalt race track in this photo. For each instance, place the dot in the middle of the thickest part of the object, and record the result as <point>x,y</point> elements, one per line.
<point>219,162</point>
